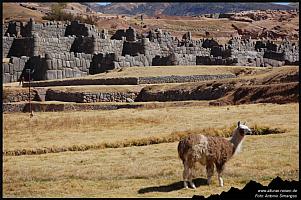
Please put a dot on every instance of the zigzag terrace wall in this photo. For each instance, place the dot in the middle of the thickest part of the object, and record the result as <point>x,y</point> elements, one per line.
<point>126,48</point>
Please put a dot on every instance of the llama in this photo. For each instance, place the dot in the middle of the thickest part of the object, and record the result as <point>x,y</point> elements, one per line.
<point>209,151</point>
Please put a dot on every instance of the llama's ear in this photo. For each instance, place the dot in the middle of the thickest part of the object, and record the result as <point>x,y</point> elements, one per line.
<point>244,123</point>
<point>238,123</point>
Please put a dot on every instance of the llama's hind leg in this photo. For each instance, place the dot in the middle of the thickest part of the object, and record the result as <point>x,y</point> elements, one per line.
<point>191,167</point>
<point>210,171</point>
<point>187,176</point>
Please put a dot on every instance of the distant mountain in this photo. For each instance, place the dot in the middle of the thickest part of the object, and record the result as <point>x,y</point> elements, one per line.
<point>294,5</point>
<point>183,9</point>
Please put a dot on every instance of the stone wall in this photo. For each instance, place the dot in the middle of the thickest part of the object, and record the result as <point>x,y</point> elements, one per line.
<point>182,79</point>
<point>67,65</point>
<point>197,92</point>
<point>53,45</point>
<point>88,97</point>
<point>12,29</point>
<point>80,29</point>
<point>209,60</point>
<point>132,48</point>
<point>108,46</point>
<point>102,62</point>
<point>195,50</point>
<point>19,47</point>
<point>58,29</point>
<point>291,52</point>
<point>151,49</point>
<point>104,81</point>
<point>248,58</point>
<point>48,29</point>
<point>13,70</point>
<point>7,44</point>
<point>127,48</point>
<point>83,45</point>
<point>131,61</point>
<point>131,80</point>
<point>125,34</point>
<point>19,95</point>
<point>242,44</point>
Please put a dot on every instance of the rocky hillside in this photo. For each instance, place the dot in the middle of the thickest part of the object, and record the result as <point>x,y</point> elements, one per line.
<point>185,9</point>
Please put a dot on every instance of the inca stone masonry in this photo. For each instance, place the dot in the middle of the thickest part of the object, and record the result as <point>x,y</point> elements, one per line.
<point>56,50</point>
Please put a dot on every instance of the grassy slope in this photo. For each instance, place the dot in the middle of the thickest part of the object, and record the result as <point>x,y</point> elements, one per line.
<point>18,12</point>
<point>165,71</point>
<point>174,70</point>
<point>124,171</point>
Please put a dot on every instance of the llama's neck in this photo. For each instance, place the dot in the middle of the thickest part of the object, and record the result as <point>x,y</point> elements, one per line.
<point>236,140</point>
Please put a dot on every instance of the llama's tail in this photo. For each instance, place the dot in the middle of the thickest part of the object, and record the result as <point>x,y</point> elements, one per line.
<point>182,149</point>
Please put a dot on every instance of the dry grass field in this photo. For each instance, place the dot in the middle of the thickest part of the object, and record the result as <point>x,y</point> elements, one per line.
<point>140,171</point>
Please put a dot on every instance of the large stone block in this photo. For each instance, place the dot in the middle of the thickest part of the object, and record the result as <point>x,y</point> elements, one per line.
<point>11,68</point>
<point>63,56</point>
<point>15,60</point>
<point>64,63</point>
<point>59,64</point>
<point>49,64</point>
<point>67,55</point>
<point>77,61</point>
<point>84,65</point>
<point>19,74</point>
<point>54,64</point>
<point>68,64</point>
<point>11,78</point>
<point>64,73</point>
<point>68,73</point>
<point>72,64</point>
<point>5,67</point>
<point>72,56</point>
<point>51,74</point>
<point>6,78</point>
<point>76,73</point>
<point>22,64</point>
<point>59,74</point>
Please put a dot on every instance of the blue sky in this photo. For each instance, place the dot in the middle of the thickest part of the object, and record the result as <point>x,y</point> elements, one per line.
<point>282,3</point>
<point>103,3</point>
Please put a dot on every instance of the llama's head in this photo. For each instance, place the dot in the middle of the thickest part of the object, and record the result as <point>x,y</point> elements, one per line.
<point>243,129</point>
<point>238,136</point>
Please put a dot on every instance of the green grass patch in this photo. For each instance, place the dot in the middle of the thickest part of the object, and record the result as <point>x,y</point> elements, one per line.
<point>172,137</point>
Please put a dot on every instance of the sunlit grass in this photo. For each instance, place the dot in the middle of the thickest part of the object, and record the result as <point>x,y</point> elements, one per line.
<point>128,164</point>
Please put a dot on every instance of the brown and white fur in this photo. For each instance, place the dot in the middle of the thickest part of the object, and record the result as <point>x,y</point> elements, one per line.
<point>209,151</point>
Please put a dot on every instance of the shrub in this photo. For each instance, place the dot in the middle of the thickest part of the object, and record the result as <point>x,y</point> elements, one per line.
<point>58,14</point>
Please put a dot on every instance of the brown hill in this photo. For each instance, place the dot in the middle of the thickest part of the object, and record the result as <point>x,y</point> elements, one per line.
<point>260,23</point>
<point>14,11</point>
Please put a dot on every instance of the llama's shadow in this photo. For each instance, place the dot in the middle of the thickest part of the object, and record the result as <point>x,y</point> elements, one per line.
<point>172,187</point>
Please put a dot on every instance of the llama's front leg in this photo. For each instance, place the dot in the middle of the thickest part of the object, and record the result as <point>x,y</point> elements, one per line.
<point>220,169</point>
<point>210,171</point>
<point>220,180</point>
<point>192,184</point>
